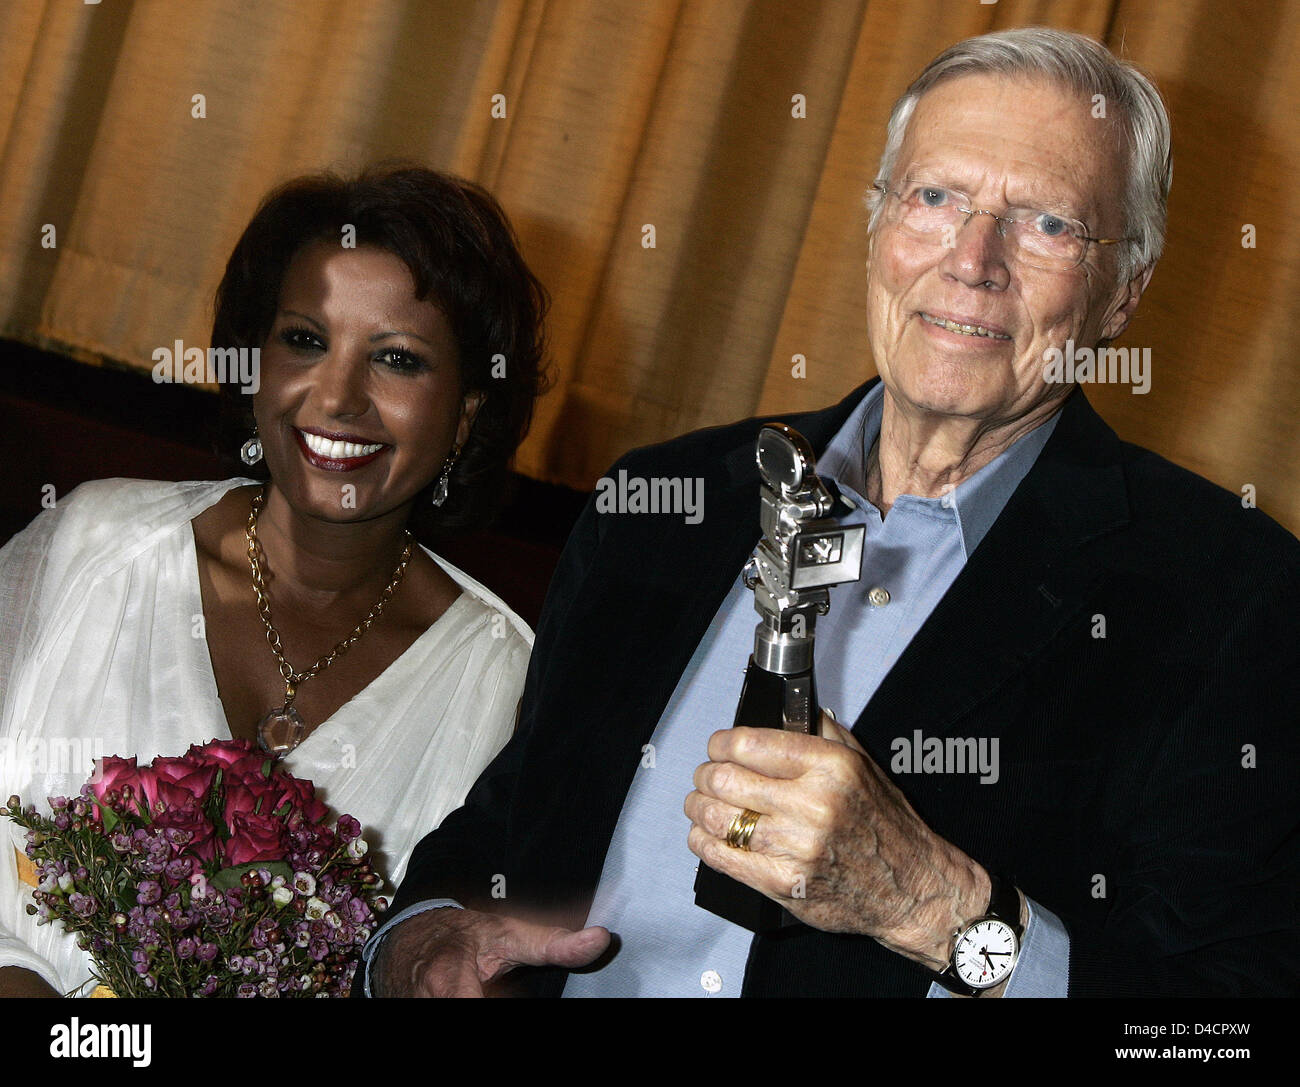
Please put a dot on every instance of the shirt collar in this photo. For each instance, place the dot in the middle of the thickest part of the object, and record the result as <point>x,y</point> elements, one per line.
<point>976,501</point>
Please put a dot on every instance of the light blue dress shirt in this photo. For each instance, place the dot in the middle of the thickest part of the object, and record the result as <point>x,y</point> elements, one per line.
<point>671,947</point>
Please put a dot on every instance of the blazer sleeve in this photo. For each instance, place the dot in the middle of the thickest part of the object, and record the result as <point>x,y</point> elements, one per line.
<point>1207,885</point>
<point>460,858</point>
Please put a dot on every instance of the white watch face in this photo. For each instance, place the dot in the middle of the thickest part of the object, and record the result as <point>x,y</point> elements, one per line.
<point>985,953</point>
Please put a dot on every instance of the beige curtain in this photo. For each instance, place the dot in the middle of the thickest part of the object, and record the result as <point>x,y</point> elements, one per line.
<point>622,115</point>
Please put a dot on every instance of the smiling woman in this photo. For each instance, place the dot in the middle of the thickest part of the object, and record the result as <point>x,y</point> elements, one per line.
<point>455,263</point>
<point>362,402</point>
<point>398,338</point>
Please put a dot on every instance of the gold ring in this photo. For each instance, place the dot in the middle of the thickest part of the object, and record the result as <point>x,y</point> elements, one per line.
<point>742,828</point>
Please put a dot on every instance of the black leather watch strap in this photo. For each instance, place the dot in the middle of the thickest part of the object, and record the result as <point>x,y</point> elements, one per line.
<point>1004,906</point>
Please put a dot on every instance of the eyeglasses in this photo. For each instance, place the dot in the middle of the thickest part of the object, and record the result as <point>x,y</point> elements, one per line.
<point>1039,239</point>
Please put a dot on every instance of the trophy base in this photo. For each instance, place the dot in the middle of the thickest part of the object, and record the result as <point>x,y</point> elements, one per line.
<point>767,700</point>
<point>738,903</point>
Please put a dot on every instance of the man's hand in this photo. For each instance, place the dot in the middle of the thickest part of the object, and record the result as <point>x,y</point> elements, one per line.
<point>837,844</point>
<point>450,952</point>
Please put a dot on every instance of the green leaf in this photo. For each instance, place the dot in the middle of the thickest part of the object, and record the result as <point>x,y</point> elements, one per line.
<point>110,818</point>
<point>230,877</point>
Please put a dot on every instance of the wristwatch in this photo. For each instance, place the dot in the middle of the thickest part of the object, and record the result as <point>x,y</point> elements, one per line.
<point>984,951</point>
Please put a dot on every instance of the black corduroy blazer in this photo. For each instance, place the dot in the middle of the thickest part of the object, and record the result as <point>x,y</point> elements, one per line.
<point>1126,631</point>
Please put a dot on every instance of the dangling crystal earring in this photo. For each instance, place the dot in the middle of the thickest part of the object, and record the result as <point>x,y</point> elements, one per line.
<point>440,489</point>
<point>251,451</point>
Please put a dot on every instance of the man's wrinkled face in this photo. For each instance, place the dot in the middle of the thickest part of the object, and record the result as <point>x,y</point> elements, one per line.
<point>1005,142</point>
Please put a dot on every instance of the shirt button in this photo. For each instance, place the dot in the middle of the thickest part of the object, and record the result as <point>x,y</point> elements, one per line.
<point>878,597</point>
<point>711,981</point>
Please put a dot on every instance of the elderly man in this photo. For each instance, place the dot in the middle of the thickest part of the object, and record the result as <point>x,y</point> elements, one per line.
<point>1114,637</point>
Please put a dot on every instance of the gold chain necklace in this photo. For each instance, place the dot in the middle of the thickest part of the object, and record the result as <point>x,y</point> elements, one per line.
<point>283,729</point>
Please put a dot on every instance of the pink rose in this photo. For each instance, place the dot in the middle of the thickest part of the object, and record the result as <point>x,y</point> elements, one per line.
<point>192,778</point>
<point>250,766</point>
<point>220,753</point>
<point>255,838</point>
<point>301,795</point>
<point>118,773</point>
<point>112,773</point>
<point>175,796</point>
<point>249,795</point>
<point>188,817</point>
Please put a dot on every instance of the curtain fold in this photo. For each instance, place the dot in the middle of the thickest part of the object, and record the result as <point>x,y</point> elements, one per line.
<point>737,136</point>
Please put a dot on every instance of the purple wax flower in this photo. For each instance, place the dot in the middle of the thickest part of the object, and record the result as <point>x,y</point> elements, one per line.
<point>264,934</point>
<point>82,905</point>
<point>179,869</point>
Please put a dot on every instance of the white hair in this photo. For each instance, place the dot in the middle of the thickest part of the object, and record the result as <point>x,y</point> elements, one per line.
<point>1083,66</point>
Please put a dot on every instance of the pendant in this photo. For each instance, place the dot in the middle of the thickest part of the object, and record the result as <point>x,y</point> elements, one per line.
<point>280,731</point>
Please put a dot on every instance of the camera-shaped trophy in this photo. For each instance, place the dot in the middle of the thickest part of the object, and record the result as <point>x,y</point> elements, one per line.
<point>803,552</point>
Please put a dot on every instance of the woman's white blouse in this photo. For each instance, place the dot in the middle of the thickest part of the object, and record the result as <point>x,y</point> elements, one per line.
<point>103,652</point>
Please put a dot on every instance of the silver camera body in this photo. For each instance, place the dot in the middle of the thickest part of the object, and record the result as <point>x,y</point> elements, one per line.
<point>803,552</point>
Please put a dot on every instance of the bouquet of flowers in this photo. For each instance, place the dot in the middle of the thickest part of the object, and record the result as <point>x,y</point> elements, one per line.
<point>212,874</point>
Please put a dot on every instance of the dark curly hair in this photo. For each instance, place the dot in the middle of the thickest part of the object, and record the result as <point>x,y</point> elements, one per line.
<point>462,255</point>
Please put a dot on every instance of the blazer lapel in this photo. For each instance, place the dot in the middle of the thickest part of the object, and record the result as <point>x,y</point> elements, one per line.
<point>1029,577</point>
